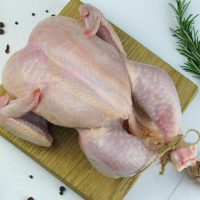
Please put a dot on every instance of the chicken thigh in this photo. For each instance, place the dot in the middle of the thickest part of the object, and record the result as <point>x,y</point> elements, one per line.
<point>77,75</point>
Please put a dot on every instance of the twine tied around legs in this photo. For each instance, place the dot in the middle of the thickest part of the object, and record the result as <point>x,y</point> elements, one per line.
<point>164,149</point>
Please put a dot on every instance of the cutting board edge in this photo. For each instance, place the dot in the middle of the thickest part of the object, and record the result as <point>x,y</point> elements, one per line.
<point>41,164</point>
<point>196,90</point>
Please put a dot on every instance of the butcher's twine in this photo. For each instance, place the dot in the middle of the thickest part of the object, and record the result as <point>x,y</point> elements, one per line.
<point>164,149</point>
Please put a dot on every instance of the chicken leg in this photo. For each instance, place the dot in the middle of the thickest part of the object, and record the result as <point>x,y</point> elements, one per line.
<point>155,93</point>
<point>114,152</point>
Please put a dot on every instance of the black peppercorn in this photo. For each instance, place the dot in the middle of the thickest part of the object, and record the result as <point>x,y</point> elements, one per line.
<point>31,176</point>
<point>62,188</point>
<point>30,198</point>
<point>1,31</point>
<point>7,50</point>
<point>2,25</point>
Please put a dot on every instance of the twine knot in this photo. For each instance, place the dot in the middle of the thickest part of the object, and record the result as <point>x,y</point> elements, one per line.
<point>164,149</point>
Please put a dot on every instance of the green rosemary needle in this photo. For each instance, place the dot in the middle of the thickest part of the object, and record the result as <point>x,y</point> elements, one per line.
<point>187,37</point>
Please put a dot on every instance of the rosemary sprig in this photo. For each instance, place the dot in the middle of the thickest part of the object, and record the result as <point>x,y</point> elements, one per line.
<point>187,37</point>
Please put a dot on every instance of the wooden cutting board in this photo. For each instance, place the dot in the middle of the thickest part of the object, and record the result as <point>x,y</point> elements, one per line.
<point>65,159</point>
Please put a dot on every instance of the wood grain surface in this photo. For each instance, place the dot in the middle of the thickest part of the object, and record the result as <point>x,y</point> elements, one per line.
<point>65,159</point>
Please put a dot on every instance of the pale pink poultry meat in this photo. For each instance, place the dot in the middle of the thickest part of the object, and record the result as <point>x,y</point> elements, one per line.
<point>77,75</point>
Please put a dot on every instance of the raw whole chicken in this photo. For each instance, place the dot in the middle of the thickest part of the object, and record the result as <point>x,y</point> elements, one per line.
<point>77,75</point>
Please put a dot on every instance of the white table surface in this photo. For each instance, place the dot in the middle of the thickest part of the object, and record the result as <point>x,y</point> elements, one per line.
<point>148,22</point>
